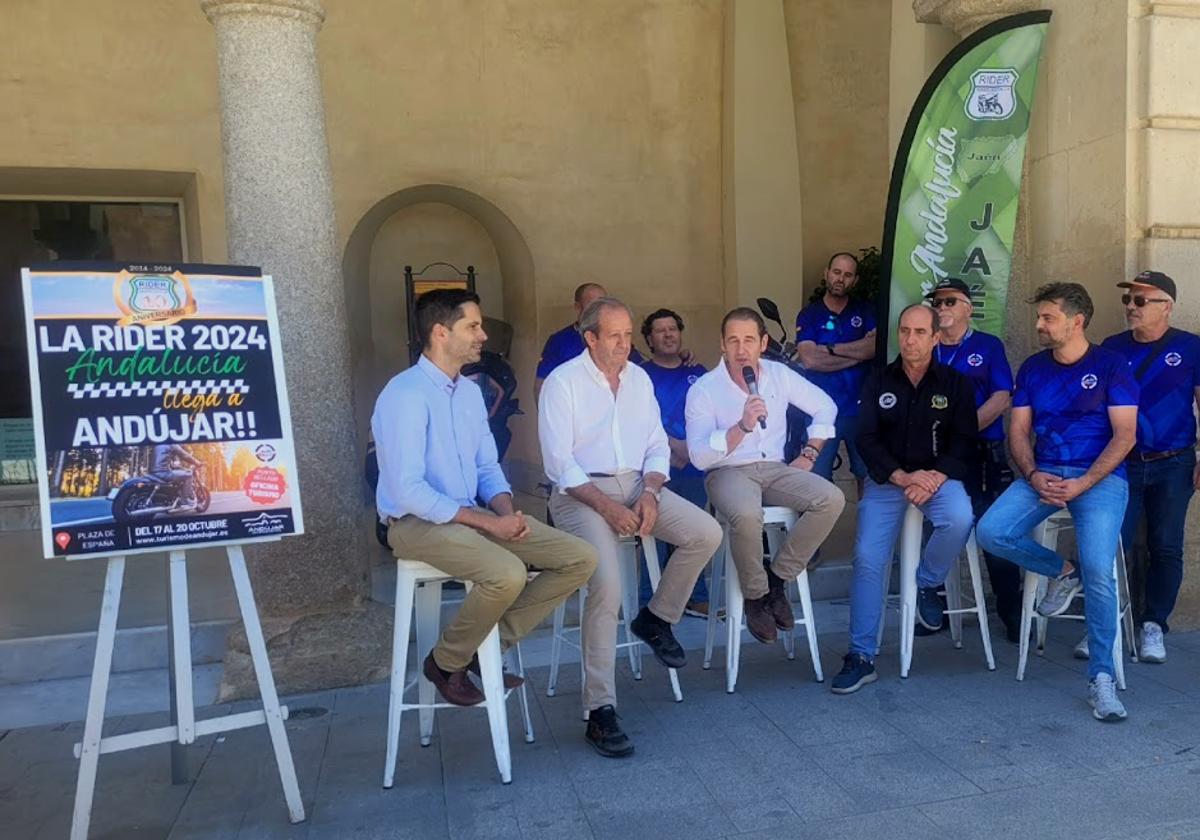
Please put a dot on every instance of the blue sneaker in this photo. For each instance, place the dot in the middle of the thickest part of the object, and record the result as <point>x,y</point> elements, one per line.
<point>857,671</point>
<point>929,608</point>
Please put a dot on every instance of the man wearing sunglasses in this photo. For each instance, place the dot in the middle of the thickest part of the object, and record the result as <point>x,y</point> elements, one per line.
<point>836,339</point>
<point>1162,468</point>
<point>980,357</point>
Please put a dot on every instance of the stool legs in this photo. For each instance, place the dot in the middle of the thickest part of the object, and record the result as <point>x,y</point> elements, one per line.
<point>910,558</point>
<point>810,624</point>
<point>716,593</point>
<point>734,613</point>
<point>775,534</point>
<point>429,609</point>
<point>985,631</point>
<point>650,554</point>
<point>401,627</point>
<point>518,667</point>
<point>556,647</point>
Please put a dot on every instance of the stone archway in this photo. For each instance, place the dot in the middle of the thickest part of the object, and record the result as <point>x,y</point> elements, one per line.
<point>519,297</point>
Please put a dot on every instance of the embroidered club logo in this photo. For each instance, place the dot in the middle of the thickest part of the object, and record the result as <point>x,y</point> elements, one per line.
<point>939,401</point>
<point>992,95</point>
<point>856,321</point>
<point>1173,359</point>
<point>691,380</point>
<point>1089,381</point>
<point>887,400</point>
<point>974,360</point>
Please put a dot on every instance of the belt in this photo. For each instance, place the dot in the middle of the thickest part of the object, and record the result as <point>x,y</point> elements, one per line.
<point>602,475</point>
<point>1147,457</point>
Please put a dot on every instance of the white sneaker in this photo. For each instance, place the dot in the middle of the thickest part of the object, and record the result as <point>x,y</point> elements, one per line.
<point>1102,696</point>
<point>1081,649</point>
<point>1153,649</point>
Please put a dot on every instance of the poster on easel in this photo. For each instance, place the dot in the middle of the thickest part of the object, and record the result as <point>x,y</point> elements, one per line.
<point>160,409</point>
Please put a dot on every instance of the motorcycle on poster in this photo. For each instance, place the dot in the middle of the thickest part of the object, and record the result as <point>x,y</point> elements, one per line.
<point>160,408</point>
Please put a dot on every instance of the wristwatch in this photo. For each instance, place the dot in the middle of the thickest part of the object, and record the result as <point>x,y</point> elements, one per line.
<point>829,347</point>
<point>657,494</point>
<point>810,452</point>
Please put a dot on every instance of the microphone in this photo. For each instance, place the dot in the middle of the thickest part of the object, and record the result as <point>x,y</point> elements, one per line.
<point>752,384</point>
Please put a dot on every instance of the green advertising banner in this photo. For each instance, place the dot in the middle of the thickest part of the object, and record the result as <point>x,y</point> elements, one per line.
<point>952,206</point>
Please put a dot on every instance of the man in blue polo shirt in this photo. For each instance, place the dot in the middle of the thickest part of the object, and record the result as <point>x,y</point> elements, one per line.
<point>1162,468</point>
<point>672,377</point>
<point>1081,402</point>
<point>567,343</point>
<point>981,358</point>
<point>836,339</point>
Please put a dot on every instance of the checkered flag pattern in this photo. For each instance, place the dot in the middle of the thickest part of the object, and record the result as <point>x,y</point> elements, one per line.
<point>104,390</point>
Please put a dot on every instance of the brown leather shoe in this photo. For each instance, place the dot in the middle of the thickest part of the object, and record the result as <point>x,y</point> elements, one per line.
<point>781,608</point>
<point>456,688</point>
<point>760,621</point>
<point>510,680</point>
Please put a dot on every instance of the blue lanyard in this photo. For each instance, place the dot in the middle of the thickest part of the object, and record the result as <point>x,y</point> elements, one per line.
<point>957,347</point>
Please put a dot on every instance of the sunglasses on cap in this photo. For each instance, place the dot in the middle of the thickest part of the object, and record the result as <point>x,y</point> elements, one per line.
<point>1141,300</point>
<point>946,301</point>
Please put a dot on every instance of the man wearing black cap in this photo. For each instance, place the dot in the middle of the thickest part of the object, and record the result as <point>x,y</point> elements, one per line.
<point>1162,467</point>
<point>980,357</point>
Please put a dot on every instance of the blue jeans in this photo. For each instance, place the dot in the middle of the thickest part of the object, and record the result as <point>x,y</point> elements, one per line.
<point>880,516</point>
<point>847,430</point>
<point>1159,491</point>
<point>690,487</point>
<point>1097,514</point>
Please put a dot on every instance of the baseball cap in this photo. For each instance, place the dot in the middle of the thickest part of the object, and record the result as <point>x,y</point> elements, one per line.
<point>951,284</point>
<point>1152,278</point>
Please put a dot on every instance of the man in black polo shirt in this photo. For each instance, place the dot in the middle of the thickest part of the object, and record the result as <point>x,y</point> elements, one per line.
<point>917,431</point>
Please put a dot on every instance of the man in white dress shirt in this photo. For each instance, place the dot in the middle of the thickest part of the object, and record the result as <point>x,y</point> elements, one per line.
<point>604,448</point>
<point>737,435</point>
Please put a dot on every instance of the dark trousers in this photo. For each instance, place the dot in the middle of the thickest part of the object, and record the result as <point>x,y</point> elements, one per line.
<point>989,476</point>
<point>1159,492</point>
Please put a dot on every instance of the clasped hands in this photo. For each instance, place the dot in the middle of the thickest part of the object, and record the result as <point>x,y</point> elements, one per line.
<point>919,485</point>
<point>636,519</point>
<point>1054,490</point>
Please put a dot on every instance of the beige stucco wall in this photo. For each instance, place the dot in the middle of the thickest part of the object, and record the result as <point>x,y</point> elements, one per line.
<point>839,60</point>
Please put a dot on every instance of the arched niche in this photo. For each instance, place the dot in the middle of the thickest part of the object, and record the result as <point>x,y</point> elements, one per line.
<point>374,351</point>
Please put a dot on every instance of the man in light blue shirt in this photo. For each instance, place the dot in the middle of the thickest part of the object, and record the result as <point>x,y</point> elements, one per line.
<point>437,462</point>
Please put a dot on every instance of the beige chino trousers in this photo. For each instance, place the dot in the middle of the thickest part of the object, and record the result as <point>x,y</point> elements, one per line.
<point>498,571</point>
<point>739,494</point>
<point>695,536</point>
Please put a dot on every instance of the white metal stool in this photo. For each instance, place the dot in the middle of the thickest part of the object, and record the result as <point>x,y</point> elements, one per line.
<point>910,558</point>
<point>1035,586</point>
<point>629,552</point>
<point>419,584</point>
<point>777,521</point>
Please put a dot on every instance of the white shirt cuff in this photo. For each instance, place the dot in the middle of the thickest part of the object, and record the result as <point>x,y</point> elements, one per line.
<point>662,466</point>
<point>573,477</point>
<point>718,443</point>
<point>821,431</point>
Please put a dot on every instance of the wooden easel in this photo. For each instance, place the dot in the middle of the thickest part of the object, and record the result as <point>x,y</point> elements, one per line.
<point>185,728</point>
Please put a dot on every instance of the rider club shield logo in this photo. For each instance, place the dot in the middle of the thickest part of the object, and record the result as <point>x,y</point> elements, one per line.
<point>153,299</point>
<point>1173,359</point>
<point>992,95</point>
<point>887,400</point>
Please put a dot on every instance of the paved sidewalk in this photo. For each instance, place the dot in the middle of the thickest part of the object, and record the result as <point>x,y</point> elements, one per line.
<point>953,752</point>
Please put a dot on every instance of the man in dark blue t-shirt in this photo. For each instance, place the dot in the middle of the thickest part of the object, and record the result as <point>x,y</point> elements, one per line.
<point>568,343</point>
<point>1080,401</point>
<point>672,378</point>
<point>1162,468</point>
<point>980,357</point>
<point>835,339</point>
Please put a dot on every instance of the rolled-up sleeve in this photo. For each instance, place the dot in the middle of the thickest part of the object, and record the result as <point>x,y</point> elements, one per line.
<point>815,403</point>
<point>555,434</point>
<point>705,441</point>
<point>400,425</point>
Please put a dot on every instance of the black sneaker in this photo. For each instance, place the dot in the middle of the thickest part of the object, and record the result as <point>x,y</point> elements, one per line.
<point>657,635</point>
<point>929,608</point>
<point>605,735</point>
<point>856,672</point>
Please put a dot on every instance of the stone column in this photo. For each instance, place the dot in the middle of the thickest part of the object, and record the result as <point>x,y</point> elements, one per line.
<point>312,590</point>
<point>761,209</point>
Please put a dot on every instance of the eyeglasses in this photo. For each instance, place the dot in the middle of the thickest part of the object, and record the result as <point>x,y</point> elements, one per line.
<point>1139,301</point>
<point>947,302</point>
